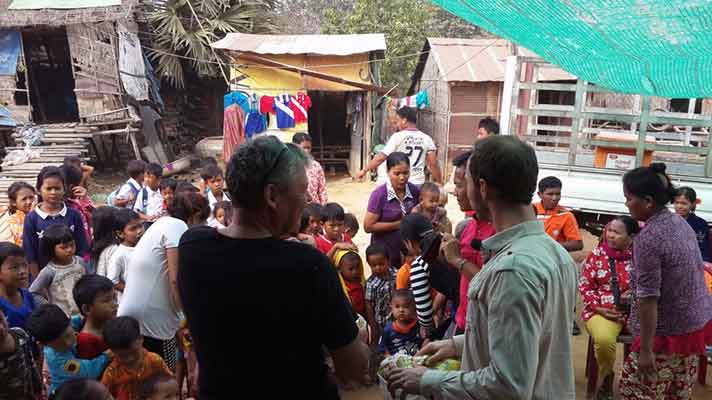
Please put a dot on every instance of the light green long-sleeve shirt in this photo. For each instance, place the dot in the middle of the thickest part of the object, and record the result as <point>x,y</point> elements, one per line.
<point>517,341</point>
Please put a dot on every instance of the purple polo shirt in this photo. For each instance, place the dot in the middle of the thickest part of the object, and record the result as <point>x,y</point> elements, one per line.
<point>37,221</point>
<point>384,203</point>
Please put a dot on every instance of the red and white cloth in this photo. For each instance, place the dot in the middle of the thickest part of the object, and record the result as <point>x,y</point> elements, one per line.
<point>233,130</point>
<point>300,104</point>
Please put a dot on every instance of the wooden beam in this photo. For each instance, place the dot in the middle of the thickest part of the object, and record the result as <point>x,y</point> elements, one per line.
<point>327,77</point>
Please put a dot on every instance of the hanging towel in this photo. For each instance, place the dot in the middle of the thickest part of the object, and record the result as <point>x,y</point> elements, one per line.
<point>300,104</point>
<point>266,104</point>
<point>418,100</point>
<point>233,130</point>
<point>285,115</point>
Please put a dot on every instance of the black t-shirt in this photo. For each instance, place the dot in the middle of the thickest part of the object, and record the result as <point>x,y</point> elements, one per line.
<point>259,311</point>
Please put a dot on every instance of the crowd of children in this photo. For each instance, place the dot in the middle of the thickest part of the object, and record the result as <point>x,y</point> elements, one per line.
<point>63,268</point>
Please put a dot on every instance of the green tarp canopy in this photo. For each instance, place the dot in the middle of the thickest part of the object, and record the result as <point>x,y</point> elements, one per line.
<point>649,47</point>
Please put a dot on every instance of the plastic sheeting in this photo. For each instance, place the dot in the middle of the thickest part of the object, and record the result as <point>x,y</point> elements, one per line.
<point>649,47</point>
<point>131,66</point>
<point>9,52</point>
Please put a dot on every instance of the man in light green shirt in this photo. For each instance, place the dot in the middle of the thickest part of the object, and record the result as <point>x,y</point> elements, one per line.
<point>516,343</point>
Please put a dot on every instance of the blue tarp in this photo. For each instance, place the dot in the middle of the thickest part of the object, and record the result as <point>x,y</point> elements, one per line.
<point>9,52</point>
<point>6,118</point>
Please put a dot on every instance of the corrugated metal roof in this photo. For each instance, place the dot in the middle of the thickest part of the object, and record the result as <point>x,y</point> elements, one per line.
<point>481,60</point>
<point>337,45</point>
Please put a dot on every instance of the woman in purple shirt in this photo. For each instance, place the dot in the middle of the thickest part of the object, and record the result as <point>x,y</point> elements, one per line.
<point>389,203</point>
<point>671,318</point>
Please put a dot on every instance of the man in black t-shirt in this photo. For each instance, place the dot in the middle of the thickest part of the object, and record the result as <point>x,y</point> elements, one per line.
<point>261,309</point>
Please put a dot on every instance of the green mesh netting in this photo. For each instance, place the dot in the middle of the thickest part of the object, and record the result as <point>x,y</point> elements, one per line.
<point>651,47</point>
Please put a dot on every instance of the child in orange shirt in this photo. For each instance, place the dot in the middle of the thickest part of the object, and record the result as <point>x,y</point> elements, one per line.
<point>559,223</point>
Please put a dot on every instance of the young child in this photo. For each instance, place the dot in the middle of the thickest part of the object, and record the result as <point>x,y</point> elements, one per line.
<point>213,176</point>
<point>160,386</point>
<point>132,364</point>
<point>50,211</point>
<point>333,237</point>
<point>18,371</point>
<point>16,302</point>
<point>76,197</point>
<point>378,290</point>
<point>430,207</point>
<point>203,186</point>
<point>168,191</point>
<point>149,202</point>
<point>96,299</point>
<point>310,224</point>
<point>82,388</point>
<point>604,295</point>
<point>685,204</point>
<point>126,196</point>
<point>351,225</point>
<point>87,170</point>
<point>352,278</point>
<point>221,215</point>
<point>401,336</point>
<point>105,243</point>
<point>21,196</point>
<point>52,328</point>
<point>57,279</point>
<point>129,229</point>
<point>559,223</point>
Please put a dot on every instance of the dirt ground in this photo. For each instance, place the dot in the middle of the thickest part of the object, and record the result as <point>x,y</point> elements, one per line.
<point>353,196</point>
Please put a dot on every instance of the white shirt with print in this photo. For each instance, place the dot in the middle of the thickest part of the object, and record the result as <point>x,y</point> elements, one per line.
<point>416,145</point>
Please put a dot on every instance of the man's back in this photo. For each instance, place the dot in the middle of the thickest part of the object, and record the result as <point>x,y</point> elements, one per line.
<point>416,145</point>
<point>527,288</point>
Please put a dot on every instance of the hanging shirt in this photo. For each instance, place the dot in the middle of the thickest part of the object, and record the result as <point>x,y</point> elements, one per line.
<point>300,104</point>
<point>255,122</point>
<point>285,115</point>
<point>416,145</point>
<point>239,98</point>
<point>266,104</point>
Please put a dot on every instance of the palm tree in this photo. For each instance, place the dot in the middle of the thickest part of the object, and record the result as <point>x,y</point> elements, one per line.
<point>182,31</point>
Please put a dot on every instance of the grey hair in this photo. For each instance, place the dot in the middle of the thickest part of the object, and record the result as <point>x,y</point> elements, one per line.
<point>259,162</point>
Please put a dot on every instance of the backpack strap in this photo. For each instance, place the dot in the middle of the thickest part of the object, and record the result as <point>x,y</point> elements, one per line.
<point>614,282</point>
<point>144,198</point>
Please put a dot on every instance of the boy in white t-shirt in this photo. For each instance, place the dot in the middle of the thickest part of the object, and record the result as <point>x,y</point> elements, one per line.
<point>149,201</point>
<point>419,147</point>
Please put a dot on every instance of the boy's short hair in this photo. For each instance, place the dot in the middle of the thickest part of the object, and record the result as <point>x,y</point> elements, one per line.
<point>430,187</point>
<point>490,125</point>
<point>184,186</point>
<point>351,223</point>
<point>47,323</point>
<point>77,388</point>
<point>550,182</point>
<point>154,169</point>
<point>88,287</point>
<point>375,249</point>
<point>168,183</point>
<point>9,249</point>
<point>211,172</point>
<point>410,114</point>
<point>147,388</point>
<point>72,176</point>
<point>73,161</point>
<point>121,332</point>
<point>461,159</point>
<point>404,294</point>
<point>300,137</point>
<point>208,161</point>
<point>135,168</point>
<point>332,212</point>
<point>54,235</point>
<point>508,165</point>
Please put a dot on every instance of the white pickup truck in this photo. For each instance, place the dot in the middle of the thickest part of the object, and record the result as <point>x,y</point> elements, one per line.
<point>589,137</point>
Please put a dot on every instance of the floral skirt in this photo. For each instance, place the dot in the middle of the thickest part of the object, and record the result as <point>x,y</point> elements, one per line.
<point>676,376</point>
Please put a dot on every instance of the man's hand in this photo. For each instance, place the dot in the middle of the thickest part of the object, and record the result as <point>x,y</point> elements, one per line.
<point>79,192</point>
<point>405,379</point>
<point>438,351</point>
<point>450,248</point>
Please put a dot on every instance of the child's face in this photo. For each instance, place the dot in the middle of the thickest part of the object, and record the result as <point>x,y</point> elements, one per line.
<point>131,233</point>
<point>379,264</point>
<point>52,191</point>
<point>314,227</point>
<point>104,307</point>
<point>402,309</point>
<point>64,252</point>
<point>350,269</point>
<point>334,230</point>
<point>430,201</point>
<point>683,206</point>
<point>617,235</point>
<point>550,198</point>
<point>24,200</point>
<point>220,216</point>
<point>14,273</point>
<point>216,184</point>
<point>166,390</point>
<point>66,341</point>
<point>131,356</point>
<point>151,181</point>
<point>168,194</point>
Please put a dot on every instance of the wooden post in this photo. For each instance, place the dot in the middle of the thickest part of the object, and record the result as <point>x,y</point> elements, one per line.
<point>642,131</point>
<point>690,114</point>
<point>510,95</point>
<point>577,121</point>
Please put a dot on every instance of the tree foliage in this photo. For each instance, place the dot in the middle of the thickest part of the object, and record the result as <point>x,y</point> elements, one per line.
<point>406,24</point>
<point>182,46</point>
